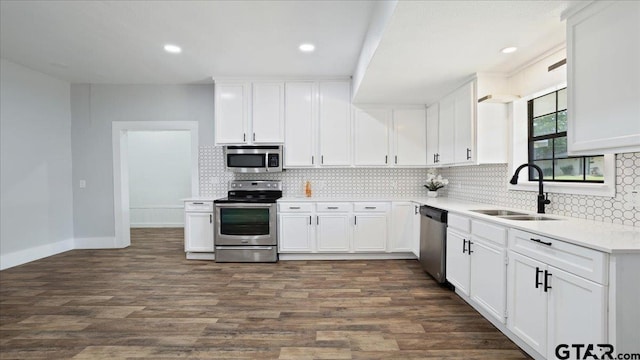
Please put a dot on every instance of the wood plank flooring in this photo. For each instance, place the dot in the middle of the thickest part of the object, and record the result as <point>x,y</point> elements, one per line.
<point>149,302</point>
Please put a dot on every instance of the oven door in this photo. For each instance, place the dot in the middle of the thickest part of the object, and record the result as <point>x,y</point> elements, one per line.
<point>245,224</point>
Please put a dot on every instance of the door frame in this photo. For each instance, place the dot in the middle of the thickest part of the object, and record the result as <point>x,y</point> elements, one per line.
<point>119,139</point>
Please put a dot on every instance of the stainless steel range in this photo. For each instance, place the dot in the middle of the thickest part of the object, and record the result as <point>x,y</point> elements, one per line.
<point>245,228</point>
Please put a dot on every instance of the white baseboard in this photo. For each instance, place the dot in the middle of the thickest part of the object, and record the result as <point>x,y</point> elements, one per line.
<point>105,242</point>
<point>158,225</point>
<point>38,252</point>
<point>200,256</point>
<point>347,256</point>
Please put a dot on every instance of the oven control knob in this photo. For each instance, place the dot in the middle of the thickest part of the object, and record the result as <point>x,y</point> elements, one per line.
<point>268,185</point>
<point>239,185</point>
<point>233,185</point>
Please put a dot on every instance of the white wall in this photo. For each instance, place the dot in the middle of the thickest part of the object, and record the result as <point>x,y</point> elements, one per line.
<point>93,109</point>
<point>159,176</point>
<point>36,213</point>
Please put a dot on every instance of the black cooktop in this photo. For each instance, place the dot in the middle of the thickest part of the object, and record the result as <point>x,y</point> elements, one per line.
<point>251,196</point>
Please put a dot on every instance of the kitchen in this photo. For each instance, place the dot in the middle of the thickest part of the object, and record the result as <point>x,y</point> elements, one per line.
<point>81,145</point>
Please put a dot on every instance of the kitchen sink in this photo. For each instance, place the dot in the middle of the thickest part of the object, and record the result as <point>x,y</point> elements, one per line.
<point>526,217</point>
<point>498,212</point>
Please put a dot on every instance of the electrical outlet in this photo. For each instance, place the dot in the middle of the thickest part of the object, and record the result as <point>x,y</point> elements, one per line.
<point>635,198</point>
<point>83,184</point>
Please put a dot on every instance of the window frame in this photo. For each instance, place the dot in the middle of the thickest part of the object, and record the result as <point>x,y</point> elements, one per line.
<point>531,139</point>
<point>518,154</point>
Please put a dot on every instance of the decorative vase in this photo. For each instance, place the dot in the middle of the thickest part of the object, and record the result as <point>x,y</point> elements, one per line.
<point>432,194</point>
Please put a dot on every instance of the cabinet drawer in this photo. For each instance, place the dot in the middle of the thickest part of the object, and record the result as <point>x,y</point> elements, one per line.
<point>489,232</point>
<point>459,223</point>
<point>333,207</point>
<point>295,207</point>
<point>198,206</point>
<point>371,207</point>
<point>587,263</point>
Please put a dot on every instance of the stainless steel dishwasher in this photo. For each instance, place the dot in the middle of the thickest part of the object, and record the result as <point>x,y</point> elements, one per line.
<point>433,237</point>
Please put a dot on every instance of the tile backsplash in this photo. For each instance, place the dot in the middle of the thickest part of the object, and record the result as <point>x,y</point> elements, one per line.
<point>344,182</point>
<point>488,184</point>
<point>484,184</point>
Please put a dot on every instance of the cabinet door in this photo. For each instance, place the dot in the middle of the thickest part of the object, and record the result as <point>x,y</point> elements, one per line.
<point>370,232</point>
<point>333,232</point>
<point>433,117</point>
<point>489,278</point>
<point>464,133</point>
<point>268,113</point>
<point>198,232</point>
<point>410,137</point>
<point>371,130</point>
<point>446,130</point>
<point>231,113</point>
<point>295,233</point>
<point>604,111</point>
<point>402,236</point>
<point>577,311</point>
<point>300,113</point>
<point>458,261</point>
<point>335,123</point>
<point>527,316</point>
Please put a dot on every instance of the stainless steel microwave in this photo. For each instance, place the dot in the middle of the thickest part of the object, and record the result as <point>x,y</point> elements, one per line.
<point>253,158</point>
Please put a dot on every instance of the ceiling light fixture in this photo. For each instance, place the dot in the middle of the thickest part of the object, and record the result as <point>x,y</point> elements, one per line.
<point>509,50</point>
<point>173,49</point>
<point>307,48</point>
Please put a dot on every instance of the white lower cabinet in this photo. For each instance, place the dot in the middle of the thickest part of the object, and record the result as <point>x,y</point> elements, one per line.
<point>405,228</point>
<point>476,262</point>
<point>296,233</point>
<point>198,226</point>
<point>347,227</point>
<point>333,232</point>
<point>549,306</point>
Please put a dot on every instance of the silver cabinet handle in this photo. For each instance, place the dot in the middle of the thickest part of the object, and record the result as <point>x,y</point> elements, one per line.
<point>370,207</point>
<point>332,207</point>
<point>312,158</point>
<point>385,158</point>
<point>198,203</point>
<point>254,136</point>
<point>396,159</point>
<point>355,220</point>
<point>309,219</point>
<point>294,207</point>
<point>210,219</point>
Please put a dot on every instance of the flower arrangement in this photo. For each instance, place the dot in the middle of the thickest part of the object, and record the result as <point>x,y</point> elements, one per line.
<point>435,182</point>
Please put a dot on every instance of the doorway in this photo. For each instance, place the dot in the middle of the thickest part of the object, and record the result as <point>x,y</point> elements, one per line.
<point>121,176</point>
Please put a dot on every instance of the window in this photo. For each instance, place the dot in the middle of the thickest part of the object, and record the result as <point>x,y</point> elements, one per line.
<point>547,116</point>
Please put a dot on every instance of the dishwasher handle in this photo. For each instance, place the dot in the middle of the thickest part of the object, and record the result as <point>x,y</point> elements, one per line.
<point>435,214</point>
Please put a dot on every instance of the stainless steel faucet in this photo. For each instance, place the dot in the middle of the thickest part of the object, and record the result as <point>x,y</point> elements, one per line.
<point>542,199</point>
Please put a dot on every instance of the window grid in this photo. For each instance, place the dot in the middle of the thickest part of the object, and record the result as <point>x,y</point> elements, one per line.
<point>552,137</point>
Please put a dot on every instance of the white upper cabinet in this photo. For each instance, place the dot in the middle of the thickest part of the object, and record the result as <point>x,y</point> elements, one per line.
<point>603,53</point>
<point>464,121</point>
<point>300,119</point>
<point>268,113</point>
<point>410,137</point>
<point>335,123</point>
<point>247,113</point>
<point>446,128</point>
<point>231,112</point>
<point>371,137</point>
<point>469,132</point>
<point>433,117</point>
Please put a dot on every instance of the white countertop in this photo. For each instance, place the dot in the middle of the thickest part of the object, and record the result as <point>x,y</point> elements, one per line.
<point>606,237</point>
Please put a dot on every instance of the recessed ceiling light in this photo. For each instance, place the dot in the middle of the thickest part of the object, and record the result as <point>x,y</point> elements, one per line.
<point>307,47</point>
<point>509,50</point>
<point>174,49</point>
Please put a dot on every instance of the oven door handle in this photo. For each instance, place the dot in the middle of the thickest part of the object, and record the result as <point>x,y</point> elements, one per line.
<point>244,247</point>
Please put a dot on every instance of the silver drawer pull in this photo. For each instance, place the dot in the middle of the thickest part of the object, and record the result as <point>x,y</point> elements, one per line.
<point>370,207</point>
<point>294,207</point>
<point>332,207</point>
<point>198,203</point>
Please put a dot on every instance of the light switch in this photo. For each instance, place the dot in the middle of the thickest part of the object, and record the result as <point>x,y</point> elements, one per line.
<point>83,184</point>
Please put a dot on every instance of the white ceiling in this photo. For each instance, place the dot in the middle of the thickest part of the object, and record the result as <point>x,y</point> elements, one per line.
<point>122,41</point>
<point>427,48</point>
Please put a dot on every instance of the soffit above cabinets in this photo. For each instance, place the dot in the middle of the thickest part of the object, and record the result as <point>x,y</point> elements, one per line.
<point>429,48</point>
<point>122,41</point>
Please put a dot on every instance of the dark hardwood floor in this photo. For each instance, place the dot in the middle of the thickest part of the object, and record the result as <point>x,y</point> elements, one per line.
<point>149,302</point>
